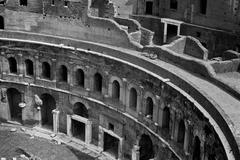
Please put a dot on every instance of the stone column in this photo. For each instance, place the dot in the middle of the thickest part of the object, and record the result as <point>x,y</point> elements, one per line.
<point>187,137</point>
<point>172,123</point>
<point>55,120</point>
<point>39,112</point>
<point>54,70</point>
<point>136,152</point>
<point>165,33</point>
<point>71,74</point>
<point>123,91</point>
<point>69,125</point>
<point>20,65</point>
<point>38,68</point>
<point>88,132</point>
<point>100,138</point>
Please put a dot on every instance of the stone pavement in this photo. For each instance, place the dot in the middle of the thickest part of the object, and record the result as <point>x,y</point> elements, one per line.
<point>43,144</point>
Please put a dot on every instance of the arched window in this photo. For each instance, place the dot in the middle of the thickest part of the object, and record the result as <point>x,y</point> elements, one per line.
<point>80,78</point>
<point>115,90</point>
<point>46,70</point>
<point>181,132</point>
<point>29,67</point>
<point>12,65</point>
<point>149,107</point>
<point>1,22</point>
<point>63,74</point>
<point>98,82</point>
<point>133,99</point>
<point>80,109</point>
<point>146,148</point>
<point>166,118</point>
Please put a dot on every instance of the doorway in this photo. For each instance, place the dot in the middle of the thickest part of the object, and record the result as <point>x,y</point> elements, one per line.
<point>78,130</point>
<point>111,145</point>
<point>14,98</point>
<point>49,104</point>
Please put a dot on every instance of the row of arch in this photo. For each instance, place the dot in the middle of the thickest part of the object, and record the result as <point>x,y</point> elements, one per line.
<point>116,93</point>
<point>79,81</point>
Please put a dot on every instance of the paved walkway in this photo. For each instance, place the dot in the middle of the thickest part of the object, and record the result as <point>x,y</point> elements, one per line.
<point>43,144</point>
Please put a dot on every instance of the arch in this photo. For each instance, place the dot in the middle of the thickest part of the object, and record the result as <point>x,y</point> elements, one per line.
<point>2,25</point>
<point>80,77</point>
<point>80,109</point>
<point>133,99</point>
<point>181,132</point>
<point>196,149</point>
<point>14,98</point>
<point>149,107</point>
<point>48,105</point>
<point>146,148</point>
<point>166,118</point>
<point>98,82</point>
<point>29,67</point>
<point>12,65</point>
<point>46,70</point>
<point>115,89</point>
<point>63,73</point>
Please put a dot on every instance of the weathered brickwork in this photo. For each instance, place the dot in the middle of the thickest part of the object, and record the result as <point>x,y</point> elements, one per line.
<point>170,110</point>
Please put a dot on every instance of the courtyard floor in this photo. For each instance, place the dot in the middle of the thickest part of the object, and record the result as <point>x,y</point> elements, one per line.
<point>17,140</point>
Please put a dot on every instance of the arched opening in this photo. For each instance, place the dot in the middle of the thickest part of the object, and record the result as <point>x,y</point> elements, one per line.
<point>46,70</point>
<point>29,67</point>
<point>14,98</point>
<point>196,149</point>
<point>133,99</point>
<point>149,108</point>
<point>80,109</point>
<point>1,22</point>
<point>12,65</point>
<point>181,132</point>
<point>115,90</point>
<point>80,78</point>
<point>63,74</point>
<point>78,127</point>
<point>146,148</point>
<point>49,104</point>
<point>166,118</point>
<point>98,82</point>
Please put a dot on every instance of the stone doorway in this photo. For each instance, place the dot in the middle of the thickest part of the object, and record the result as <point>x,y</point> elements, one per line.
<point>78,130</point>
<point>146,148</point>
<point>49,105</point>
<point>172,31</point>
<point>14,98</point>
<point>111,145</point>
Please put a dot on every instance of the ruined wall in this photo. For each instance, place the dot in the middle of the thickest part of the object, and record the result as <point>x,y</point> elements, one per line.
<point>102,108</point>
<point>71,21</point>
<point>190,12</point>
<point>35,6</point>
